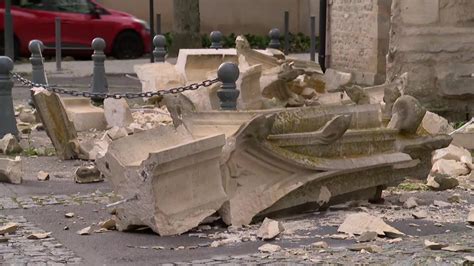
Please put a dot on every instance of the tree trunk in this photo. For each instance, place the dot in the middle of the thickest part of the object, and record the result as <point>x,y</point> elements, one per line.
<point>186,25</point>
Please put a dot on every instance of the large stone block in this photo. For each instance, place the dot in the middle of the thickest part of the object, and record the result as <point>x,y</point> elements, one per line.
<point>420,12</point>
<point>83,114</point>
<point>170,181</point>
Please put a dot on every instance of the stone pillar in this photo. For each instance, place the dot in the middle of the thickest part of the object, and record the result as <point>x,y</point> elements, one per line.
<point>7,112</point>
<point>228,74</point>
<point>358,38</point>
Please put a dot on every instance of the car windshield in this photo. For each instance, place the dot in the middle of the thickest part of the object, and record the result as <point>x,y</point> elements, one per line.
<point>76,6</point>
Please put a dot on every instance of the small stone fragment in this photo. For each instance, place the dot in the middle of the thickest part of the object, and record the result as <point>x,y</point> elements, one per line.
<point>433,245</point>
<point>4,239</point>
<point>27,116</point>
<point>10,170</point>
<point>9,145</point>
<point>339,236</point>
<point>358,223</point>
<point>117,112</point>
<point>367,237</point>
<point>456,248</point>
<point>8,228</point>
<point>440,182</point>
<point>450,168</point>
<point>456,198</point>
<point>269,248</point>
<point>320,245</point>
<point>366,247</point>
<point>39,235</point>
<point>85,231</point>
<point>395,240</point>
<point>410,203</point>
<point>88,174</point>
<point>440,203</point>
<point>66,228</point>
<point>117,133</point>
<point>69,215</point>
<point>43,176</point>
<point>269,229</point>
<point>470,217</point>
<point>108,224</point>
<point>419,214</point>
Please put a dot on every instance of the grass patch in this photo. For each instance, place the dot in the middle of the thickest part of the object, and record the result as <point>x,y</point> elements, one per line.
<point>412,186</point>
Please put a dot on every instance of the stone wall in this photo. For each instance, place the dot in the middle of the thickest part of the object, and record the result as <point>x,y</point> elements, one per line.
<point>358,38</point>
<point>433,40</point>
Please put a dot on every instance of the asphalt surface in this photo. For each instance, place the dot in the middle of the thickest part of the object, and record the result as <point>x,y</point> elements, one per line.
<point>88,202</point>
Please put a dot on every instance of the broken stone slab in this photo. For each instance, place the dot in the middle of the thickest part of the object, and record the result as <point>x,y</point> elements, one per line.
<point>117,132</point>
<point>419,214</point>
<point>358,223</point>
<point>8,228</point>
<point>91,149</point>
<point>450,168</point>
<point>336,80</point>
<point>367,247</point>
<point>169,180</point>
<point>269,248</point>
<point>117,113</point>
<point>37,236</point>
<point>85,231</point>
<point>441,182</point>
<point>83,114</point>
<point>464,139</point>
<point>249,86</point>
<point>88,174</point>
<point>434,124</point>
<point>434,245</point>
<point>59,128</point>
<point>254,57</point>
<point>156,77</point>
<point>109,224</point>
<point>11,170</point>
<point>269,229</point>
<point>367,236</point>
<point>9,145</point>
<point>457,248</point>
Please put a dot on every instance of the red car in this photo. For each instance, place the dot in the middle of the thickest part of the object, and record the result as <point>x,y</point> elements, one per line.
<point>81,21</point>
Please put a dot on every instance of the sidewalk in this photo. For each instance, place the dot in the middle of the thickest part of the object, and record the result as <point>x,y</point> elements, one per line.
<point>76,69</point>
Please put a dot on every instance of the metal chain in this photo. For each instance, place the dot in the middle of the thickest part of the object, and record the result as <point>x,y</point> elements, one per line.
<point>128,95</point>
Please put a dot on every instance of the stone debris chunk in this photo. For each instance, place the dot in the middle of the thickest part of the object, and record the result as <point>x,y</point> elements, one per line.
<point>407,115</point>
<point>395,240</point>
<point>85,231</point>
<point>434,245</point>
<point>441,182</point>
<point>108,224</point>
<point>420,214</point>
<point>339,236</point>
<point>452,152</point>
<point>8,228</point>
<point>367,237</point>
<point>440,203</point>
<point>117,112</point>
<point>434,124</point>
<point>470,217</point>
<point>320,245</point>
<point>117,132</point>
<point>450,168</point>
<point>43,176</point>
<point>9,145</point>
<point>70,215</point>
<point>456,248</point>
<point>39,235</point>
<point>358,223</point>
<point>27,116</point>
<point>269,229</point>
<point>269,248</point>
<point>335,80</point>
<point>410,203</point>
<point>456,198</point>
<point>366,247</point>
<point>4,239</point>
<point>469,260</point>
<point>88,174</point>
<point>10,170</point>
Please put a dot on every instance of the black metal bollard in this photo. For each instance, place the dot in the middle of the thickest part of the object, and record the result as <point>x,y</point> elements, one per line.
<point>274,35</point>
<point>228,73</point>
<point>313,38</point>
<point>159,41</point>
<point>99,80</point>
<point>216,40</point>
<point>7,113</point>
<point>287,32</point>
<point>36,48</point>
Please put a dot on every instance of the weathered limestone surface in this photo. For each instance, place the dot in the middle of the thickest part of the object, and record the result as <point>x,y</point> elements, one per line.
<point>56,121</point>
<point>9,145</point>
<point>117,113</point>
<point>83,114</point>
<point>249,86</point>
<point>358,37</point>
<point>10,170</point>
<point>155,77</point>
<point>435,40</point>
<point>171,182</point>
<point>407,115</point>
<point>434,124</point>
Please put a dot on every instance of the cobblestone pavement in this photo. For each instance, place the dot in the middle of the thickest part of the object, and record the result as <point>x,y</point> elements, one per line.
<point>18,249</point>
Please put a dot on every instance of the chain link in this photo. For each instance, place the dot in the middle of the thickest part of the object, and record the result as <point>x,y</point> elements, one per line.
<point>127,95</point>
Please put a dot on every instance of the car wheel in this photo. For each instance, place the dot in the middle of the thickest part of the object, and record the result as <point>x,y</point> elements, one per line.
<point>128,45</point>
